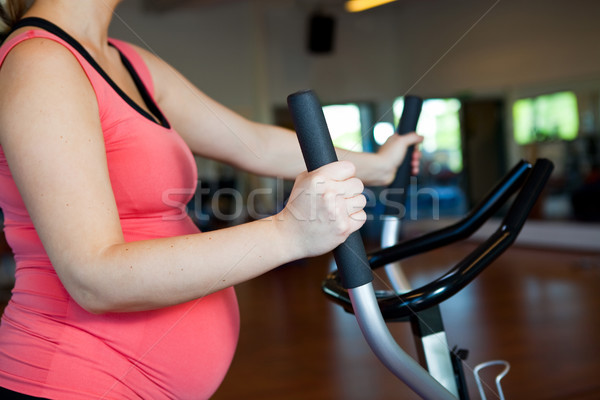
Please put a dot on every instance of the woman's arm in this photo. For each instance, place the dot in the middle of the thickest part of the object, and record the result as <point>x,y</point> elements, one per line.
<point>214,131</point>
<point>51,135</point>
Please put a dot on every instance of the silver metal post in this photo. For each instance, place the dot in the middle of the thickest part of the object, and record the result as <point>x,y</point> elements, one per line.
<point>385,347</point>
<point>390,235</point>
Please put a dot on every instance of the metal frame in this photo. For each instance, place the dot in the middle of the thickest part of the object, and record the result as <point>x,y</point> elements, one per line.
<point>354,288</point>
<point>420,306</point>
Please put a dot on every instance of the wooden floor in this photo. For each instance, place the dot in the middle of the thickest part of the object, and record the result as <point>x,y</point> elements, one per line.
<point>538,310</point>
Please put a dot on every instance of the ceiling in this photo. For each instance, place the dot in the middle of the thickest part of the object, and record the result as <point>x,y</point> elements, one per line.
<point>166,5</point>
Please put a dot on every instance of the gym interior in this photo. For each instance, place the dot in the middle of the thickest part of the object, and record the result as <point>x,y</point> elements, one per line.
<point>502,81</point>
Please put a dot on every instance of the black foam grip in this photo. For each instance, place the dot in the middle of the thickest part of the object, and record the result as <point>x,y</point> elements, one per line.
<point>399,187</point>
<point>311,128</point>
<point>410,114</point>
<point>317,149</point>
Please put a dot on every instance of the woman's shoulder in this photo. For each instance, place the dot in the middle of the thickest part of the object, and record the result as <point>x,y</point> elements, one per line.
<point>27,41</point>
<point>38,67</point>
<point>32,52</point>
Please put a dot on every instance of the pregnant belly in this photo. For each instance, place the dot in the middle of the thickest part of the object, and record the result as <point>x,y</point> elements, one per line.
<point>180,352</point>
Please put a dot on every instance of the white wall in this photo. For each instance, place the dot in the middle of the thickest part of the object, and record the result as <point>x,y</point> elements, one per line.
<point>252,54</point>
<point>212,46</point>
<point>517,44</point>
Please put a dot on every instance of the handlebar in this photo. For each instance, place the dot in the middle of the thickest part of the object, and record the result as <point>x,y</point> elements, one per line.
<point>317,149</point>
<point>399,306</point>
<point>356,290</point>
<point>408,123</point>
<point>351,258</point>
<point>464,228</point>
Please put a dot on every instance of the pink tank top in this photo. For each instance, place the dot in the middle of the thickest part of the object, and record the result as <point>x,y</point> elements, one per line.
<point>49,346</point>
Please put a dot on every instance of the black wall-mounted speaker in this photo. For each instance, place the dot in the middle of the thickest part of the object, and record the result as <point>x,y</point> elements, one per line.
<point>321,32</point>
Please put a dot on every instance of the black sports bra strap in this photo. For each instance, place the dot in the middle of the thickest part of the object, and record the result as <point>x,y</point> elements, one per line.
<point>36,21</point>
<point>148,100</point>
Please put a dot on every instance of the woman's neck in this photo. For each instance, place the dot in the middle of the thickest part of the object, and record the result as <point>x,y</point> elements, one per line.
<point>85,20</point>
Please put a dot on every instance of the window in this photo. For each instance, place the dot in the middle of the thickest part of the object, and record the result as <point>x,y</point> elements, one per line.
<point>441,162</point>
<point>549,117</point>
<point>343,121</point>
<point>439,124</point>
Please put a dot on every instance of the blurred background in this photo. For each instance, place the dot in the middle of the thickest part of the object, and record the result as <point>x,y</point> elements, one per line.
<point>503,80</point>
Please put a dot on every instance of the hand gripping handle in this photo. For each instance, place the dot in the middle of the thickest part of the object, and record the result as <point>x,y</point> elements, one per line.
<point>318,150</point>
<point>351,258</point>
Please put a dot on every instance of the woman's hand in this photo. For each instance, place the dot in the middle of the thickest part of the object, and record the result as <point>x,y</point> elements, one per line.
<point>325,207</point>
<point>392,153</point>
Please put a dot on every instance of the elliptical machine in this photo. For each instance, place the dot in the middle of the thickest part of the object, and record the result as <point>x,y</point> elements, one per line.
<point>440,374</point>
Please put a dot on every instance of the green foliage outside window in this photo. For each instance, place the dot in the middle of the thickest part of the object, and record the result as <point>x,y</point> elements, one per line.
<point>548,117</point>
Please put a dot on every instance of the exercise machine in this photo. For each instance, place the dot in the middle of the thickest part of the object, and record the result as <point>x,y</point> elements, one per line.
<point>439,375</point>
